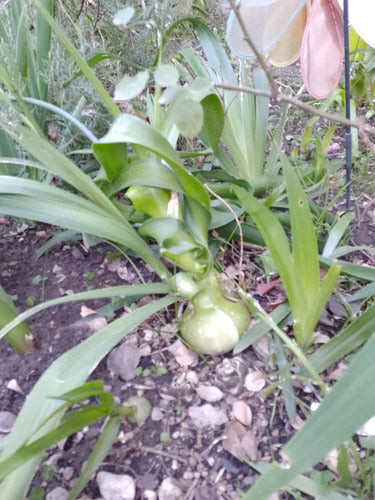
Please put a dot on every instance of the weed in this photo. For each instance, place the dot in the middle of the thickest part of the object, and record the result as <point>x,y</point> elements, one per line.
<point>30,301</point>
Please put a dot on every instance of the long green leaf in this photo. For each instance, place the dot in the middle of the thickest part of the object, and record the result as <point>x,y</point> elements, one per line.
<point>279,315</point>
<point>74,422</point>
<point>67,372</point>
<point>304,240</point>
<point>31,199</point>
<point>58,164</point>
<point>336,233</point>
<point>278,244</point>
<point>131,129</point>
<point>346,341</point>
<point>81,63</point>
<point>350,403</point>
<point>102,446</point>
<point>43,31</point>
<point>148,172</point>
<point>115,291</point>
<point>18,335</point>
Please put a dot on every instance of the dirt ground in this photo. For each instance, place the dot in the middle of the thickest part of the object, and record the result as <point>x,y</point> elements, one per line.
<point>198,406</point>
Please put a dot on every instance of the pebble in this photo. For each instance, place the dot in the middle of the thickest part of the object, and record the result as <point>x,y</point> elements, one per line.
<point>123,360</point>
<point>207,415</point>
<point>156,414</point>
<point>254,381</point>
<point>242,412</point>
<point>168,490</point>
<point>68,473</point>
<point>116,486</point>
<point>57,494</point>
<point>7,420</point>
<point>149,495</point>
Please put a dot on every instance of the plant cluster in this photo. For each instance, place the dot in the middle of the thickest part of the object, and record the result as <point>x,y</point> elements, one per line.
<point>141,187</point>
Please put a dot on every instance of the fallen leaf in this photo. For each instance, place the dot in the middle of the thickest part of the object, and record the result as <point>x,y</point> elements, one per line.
<point>123,360</point>
<point>242,412</point>
<point>97,323</point>
<point>249,444</point>
<point>209,393</point>
<point>263,288</point>
<point>239,442</point>
<point>183,355</point>
<point>142,409</point>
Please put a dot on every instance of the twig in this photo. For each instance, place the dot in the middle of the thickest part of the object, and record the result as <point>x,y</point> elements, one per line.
<point>363,129</point>
<point>147,449</point>
<point>190,492</point>
<point>261,59</point>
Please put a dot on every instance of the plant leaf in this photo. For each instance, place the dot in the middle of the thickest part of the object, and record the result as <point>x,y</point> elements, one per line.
<point>189,117</point>
<point>60,378</point>
<point>130,86</point>
<point>349,404</point>
<point>102,446</point>
<point>128,128</point>
<point>345,342</point>
<point>213,119</point>
<point>166,75</point>
<point>304,240</point>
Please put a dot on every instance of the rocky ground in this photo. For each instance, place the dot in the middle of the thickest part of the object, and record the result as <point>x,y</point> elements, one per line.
<point>208,416</point>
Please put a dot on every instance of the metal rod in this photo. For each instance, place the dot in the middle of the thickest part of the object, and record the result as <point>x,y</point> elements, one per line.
<point>348,132</point>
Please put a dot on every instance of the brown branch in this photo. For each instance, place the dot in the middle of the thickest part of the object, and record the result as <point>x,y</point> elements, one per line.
<point>364,129</point>
<point>261,59</point>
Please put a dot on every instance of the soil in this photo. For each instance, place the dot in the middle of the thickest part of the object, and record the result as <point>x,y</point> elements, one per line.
<point>173,443</point>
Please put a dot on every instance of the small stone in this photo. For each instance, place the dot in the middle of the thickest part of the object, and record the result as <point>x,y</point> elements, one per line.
<point>68,473</point>
<point>7,420</point>
<point>207,415</point>
<point>168,490</point>
<point>57,494</point>
<point>254,381</point>
<point>116,486</point>
<point>242,412</point>
<point>123,360</point>
<point>149,495</point>
<point>156,414</point>
<point>13,385</point>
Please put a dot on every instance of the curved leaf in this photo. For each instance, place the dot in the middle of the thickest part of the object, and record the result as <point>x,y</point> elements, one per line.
<point>58,379</point>
<point>128,128</point>
<point>33,200</point>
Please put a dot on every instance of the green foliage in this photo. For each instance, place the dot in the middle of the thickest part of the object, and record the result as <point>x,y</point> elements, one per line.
<point>20,337</point>
<point>41,413</point>
<point>298,267</point>
<point>304,449</point>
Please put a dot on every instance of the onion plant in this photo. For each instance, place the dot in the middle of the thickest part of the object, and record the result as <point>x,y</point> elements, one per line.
<point>297,266</point>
